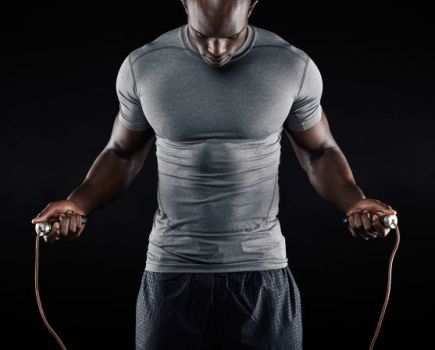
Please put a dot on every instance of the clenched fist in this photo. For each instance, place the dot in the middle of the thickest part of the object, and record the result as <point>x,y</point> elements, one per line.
<point>67,218</point>
<point>364,218</point>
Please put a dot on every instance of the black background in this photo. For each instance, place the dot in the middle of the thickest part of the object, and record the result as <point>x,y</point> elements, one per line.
<point>59,102</point>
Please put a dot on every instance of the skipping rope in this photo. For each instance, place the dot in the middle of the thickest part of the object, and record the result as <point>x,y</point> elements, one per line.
<point>43,229</point>
<point>389,221</point>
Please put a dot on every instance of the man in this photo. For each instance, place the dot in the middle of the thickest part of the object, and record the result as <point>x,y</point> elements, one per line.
<point>215,95</point>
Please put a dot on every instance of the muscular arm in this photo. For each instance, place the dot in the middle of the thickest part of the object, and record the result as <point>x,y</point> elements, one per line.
<point>114,168</point>
<point>325,164</point>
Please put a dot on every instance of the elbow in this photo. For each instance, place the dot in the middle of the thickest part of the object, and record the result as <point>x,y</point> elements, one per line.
<point>120,153</point>
<point>315,155</point>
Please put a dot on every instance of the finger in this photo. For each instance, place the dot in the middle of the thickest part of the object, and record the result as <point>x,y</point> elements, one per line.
<point>352,231</point>
<point>79,233</point>
<point>378,226</point>
<point>382,214</point>
<point>54,233</point>
<point>72,222</point>
<point>73,234</point>
<point>386,208</point>
<point>351,219</point>
<point>351,225</point>
<point>366,221</point>
<point>45,214</point>
<point>64,225</point>
<point>79,229</point>
<point>369,230</point>
<point>79,222</point>
<point>358,225</point>
<point>41,216</point>
<point>72,231</point>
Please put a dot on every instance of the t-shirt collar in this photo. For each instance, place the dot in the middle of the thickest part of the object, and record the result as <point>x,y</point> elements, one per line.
<point>240,52</point>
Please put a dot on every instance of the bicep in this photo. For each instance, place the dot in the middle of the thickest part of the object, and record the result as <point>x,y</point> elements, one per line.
<point>129,143</point>
<point>312,141</point>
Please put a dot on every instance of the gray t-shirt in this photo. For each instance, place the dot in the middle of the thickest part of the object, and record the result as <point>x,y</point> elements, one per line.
<point>218,133</point>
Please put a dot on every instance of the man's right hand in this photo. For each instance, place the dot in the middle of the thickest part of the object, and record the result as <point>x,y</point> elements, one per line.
<point>68,217</point>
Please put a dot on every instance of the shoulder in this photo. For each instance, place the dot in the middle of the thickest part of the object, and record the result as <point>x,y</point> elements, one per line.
<point>162,44</point>
<point>268,40</point>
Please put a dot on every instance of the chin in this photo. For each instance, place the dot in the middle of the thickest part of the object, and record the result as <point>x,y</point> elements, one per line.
<point>217,64</point>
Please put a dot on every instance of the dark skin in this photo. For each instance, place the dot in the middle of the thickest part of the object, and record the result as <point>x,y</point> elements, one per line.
<point>109,176</point>
<point>217,28</point>
<point>329,172</point>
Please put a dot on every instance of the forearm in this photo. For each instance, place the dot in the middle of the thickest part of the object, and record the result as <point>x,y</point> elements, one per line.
<point>331,176</point>
<point>109,175</point>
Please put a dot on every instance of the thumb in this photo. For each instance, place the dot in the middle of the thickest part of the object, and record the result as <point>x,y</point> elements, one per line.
<point>371,204</point>
<point>45,214</point>
<point>386,209</point>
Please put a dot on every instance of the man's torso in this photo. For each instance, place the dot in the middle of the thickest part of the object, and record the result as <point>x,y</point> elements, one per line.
<point>218,132</point>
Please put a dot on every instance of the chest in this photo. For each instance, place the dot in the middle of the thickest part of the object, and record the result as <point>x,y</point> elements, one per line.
<point>191,100</point>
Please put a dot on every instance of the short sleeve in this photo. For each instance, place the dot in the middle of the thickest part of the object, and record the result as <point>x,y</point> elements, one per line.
<point>306,109</point>
<point>130,110</point>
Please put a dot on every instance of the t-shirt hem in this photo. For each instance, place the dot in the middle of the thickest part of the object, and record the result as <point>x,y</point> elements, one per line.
<point>189,268</point>
<point>136,127</point>
<point>309,123</point>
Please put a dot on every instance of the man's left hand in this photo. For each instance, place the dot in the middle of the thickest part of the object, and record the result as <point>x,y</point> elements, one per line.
<point>364,218</point>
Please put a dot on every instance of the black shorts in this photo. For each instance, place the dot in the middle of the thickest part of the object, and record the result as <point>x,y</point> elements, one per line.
<point>224,310</point>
